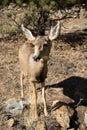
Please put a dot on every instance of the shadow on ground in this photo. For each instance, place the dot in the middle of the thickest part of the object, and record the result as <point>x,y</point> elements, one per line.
<point>74,38</point>
<point>75,88</point>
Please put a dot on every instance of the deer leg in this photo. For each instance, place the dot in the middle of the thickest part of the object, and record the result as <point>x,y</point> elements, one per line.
<point>33,85</point>
<point>44,98</point>
<point>22,89</point>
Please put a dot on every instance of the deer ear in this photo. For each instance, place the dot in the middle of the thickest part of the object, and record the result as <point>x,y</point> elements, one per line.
<point>55,31</point>
<point>27,33</point>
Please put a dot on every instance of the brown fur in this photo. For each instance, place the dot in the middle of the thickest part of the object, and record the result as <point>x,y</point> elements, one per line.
<point>35,70</point>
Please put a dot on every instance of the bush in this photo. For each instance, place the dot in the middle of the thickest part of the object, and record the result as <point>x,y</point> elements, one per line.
<point>69,3</point>
<point>45,4</point>
<point>4,2</point>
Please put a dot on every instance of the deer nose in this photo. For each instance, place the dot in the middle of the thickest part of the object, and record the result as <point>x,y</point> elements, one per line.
<point>36,58</point>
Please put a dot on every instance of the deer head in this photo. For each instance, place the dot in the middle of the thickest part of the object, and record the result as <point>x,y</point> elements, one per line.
<point>42,44</point>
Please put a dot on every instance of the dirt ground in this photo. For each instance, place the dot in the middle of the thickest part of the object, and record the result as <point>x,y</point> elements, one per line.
<point>67,69</point>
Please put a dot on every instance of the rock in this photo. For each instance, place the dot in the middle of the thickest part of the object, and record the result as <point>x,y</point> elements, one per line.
<point>9,122</point>
<point>61,14</point>
<point>15,107</point>
<point>24,5</point>
<point>76,8</point>
<point>82,117</point>
<point>82,12</point>
<point>63,115</point>
<point>11,6</point>
<point>40,125</point>
<point>73,12</point>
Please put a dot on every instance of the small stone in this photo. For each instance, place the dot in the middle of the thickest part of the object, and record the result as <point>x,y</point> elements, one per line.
<point>11,6</point>
<point>82,13</point>
<point>24,5</point>
<point>10,122</point>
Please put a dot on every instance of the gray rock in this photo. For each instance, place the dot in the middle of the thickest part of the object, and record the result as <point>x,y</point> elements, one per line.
<point>15,108</point>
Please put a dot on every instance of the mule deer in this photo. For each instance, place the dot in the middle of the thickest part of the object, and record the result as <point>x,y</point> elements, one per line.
<point>33,59</point>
